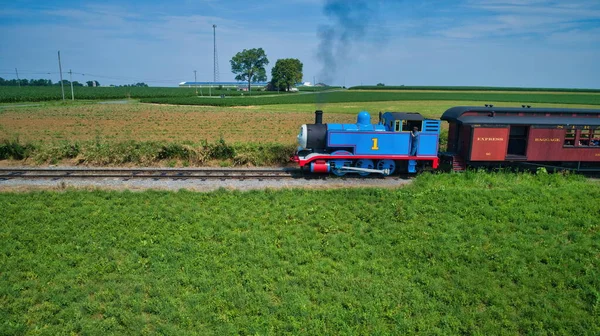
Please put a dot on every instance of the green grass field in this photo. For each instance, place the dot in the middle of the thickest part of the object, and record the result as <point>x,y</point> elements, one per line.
<point>382,96</point>
<point>467,88</point>
<point>187,96</point>
<point>472,253</point>
<point>11,94</point>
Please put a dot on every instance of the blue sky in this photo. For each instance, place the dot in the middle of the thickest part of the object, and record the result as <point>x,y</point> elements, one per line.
<point>526,43</point>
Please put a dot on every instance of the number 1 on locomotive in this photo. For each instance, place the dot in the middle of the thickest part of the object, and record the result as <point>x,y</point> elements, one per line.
<point>375,147</point>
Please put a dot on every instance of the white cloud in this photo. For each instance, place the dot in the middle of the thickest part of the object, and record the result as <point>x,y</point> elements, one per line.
<point>521,19</point>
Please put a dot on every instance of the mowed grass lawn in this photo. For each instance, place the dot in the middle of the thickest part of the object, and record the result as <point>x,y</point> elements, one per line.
<point>472,253</point>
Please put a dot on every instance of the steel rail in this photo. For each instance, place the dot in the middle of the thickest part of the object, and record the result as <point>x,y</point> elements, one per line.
<point>149,173</point>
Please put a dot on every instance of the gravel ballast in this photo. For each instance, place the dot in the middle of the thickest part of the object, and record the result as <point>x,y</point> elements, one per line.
<point>26,184</point>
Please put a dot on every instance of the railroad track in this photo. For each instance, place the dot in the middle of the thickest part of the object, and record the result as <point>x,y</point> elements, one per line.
<point>147,173</point>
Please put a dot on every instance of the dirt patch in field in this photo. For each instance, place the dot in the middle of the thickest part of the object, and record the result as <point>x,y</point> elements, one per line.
<point>143,122</point>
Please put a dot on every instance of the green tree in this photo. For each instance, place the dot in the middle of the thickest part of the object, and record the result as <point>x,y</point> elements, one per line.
<point>286,73</point>
<point>249,65</point>
<point>91,83</point>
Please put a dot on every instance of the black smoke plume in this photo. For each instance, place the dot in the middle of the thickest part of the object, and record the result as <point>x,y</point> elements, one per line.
<point>349,23</point>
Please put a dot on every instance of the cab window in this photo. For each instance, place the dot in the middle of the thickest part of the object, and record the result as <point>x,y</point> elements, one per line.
<point>407,126</point>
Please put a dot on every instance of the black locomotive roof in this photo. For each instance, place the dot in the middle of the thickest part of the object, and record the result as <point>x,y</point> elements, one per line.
<point>509,115</point>
<point>406,115</point>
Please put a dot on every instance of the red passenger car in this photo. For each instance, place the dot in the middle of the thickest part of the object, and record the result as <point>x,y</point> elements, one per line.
<point>548,137</point>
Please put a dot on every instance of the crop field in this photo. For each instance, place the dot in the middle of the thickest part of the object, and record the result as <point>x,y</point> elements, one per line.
<point>468,88</point>
<point>11,94</point>
<point>151,123</point>
<point>379,96</point>
<point>145,134</point>
<point>472,253</point>
<point>188,96</point>
<point>145,122</point>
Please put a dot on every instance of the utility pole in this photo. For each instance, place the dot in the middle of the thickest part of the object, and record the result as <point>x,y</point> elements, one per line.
<point>215,60</point>
<point>71,80</point>
<point>195,82</point>
<point>216,57</point>
<point>18,80</point>
<point>62,87</point>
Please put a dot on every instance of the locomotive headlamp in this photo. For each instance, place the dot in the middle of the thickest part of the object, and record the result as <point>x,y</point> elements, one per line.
<point>302,137</point>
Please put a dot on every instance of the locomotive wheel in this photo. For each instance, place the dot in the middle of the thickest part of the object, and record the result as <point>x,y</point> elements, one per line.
<point>340,162</point>
<point>387,164</point>
<point>364,163</point>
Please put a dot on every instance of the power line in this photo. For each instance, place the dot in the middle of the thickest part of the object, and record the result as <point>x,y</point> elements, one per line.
<point>30,73</point>
<point>87,74</point>
<point>128,78</point>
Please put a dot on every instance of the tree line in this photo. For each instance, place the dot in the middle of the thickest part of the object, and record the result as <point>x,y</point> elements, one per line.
<point>42,82</point>
<point>48,82</point>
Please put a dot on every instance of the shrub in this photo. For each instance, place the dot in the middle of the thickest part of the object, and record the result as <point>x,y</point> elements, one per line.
<point>174,151</point>
<point>443,140</point>
<point>219,151</point>
<point>258,155</point>
<point>13,149</point>
<point>56,151</point>
<point>100,152</point>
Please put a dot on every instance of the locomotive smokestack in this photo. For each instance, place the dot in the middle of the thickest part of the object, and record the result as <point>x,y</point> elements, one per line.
<point>318,117</point>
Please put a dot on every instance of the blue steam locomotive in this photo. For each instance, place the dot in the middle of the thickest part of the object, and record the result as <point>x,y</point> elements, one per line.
<point>400,141</point>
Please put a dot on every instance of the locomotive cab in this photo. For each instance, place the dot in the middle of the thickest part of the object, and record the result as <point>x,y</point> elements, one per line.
<point>402,121</point>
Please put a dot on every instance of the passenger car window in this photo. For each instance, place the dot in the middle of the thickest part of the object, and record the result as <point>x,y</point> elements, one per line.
<point>570,138</point>
<point>584,137</point>
<point>595,137</point>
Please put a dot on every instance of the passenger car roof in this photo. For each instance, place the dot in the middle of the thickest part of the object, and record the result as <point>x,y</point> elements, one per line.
<point>531,116</point>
